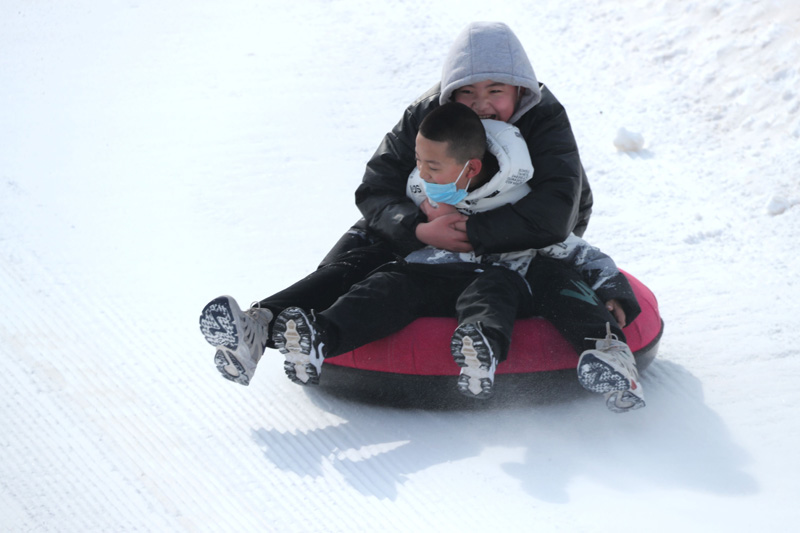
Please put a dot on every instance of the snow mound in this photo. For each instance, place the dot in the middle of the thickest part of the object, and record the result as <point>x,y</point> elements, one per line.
<point>628,141</point>
<point>778,205</point>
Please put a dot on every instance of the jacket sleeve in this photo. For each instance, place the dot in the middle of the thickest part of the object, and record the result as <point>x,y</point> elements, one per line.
<point>381,197</point>
<point>598,270</point>
<point>560,199</point>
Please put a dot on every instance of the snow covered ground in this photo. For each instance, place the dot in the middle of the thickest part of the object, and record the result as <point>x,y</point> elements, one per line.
<point>156,154</point>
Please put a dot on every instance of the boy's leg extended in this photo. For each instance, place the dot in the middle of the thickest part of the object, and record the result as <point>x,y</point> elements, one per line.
<point>320,289</point>
<point>606,364</point>
<point>561,296</point>
<point>495,298</point>
<point>486,310</point>
<point>386,302</point>
<point>240,337</point>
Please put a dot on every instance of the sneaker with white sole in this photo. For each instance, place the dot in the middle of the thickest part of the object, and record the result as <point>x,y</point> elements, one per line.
<point>472,352</point>
<point>239,337</point>
<point>610,369</point>
<point>296,335</point>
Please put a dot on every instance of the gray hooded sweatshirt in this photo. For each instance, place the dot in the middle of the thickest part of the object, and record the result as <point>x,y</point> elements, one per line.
<point>490,51</point>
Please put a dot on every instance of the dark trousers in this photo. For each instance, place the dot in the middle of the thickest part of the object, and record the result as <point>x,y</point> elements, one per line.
<point>334,277</point>
<point>399,293</point>
<point>561,296</point>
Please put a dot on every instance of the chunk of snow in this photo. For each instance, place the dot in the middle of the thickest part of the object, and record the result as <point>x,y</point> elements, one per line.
<point>628,141</point>
<point>777,205</point>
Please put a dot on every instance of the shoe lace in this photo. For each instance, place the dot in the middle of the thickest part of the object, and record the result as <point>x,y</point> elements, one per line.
<point>611,345</point>
<point>257,313</point>
<point>609,338</point>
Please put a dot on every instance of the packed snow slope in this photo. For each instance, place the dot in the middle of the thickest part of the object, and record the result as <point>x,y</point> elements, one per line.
<point>154,155</point>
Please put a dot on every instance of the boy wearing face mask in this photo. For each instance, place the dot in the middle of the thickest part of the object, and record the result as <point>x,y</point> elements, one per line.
<point>464,165</point>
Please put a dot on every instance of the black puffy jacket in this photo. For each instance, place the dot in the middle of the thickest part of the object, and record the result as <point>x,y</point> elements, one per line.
<point>559,203</point>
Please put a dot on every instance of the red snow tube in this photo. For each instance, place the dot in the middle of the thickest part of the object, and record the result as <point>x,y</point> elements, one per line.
<point>423,347</point>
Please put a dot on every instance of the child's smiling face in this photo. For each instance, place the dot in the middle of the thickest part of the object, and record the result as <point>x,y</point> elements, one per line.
<point>489,99</point>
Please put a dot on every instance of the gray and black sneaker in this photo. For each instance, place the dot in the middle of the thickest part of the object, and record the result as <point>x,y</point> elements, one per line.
<point>239,337</point>
<point>297,337</point>
<point>610,369</point>
<point>472,352</point>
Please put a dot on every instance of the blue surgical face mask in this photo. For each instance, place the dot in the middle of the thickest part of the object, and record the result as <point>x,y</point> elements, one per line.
<point>447,193</point>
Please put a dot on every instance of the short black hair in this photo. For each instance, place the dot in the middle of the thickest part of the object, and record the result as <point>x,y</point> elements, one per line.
<point>458,126</point>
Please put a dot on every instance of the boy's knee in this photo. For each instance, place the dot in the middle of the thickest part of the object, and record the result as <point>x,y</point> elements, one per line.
<point>550,272</point>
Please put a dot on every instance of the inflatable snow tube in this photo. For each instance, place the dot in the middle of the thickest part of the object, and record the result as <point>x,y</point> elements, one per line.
<point>422,349</point>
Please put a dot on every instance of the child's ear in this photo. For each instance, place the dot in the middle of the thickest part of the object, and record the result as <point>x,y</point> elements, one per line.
<point>474,168</point>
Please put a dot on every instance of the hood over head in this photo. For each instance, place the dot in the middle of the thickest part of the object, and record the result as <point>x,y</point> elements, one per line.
<point>490,51</point>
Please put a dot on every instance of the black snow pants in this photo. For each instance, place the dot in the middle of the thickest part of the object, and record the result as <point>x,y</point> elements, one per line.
<point>399,293</point>
<point>559,294</point>
<point>563,297</point>
<point>350,261</point>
